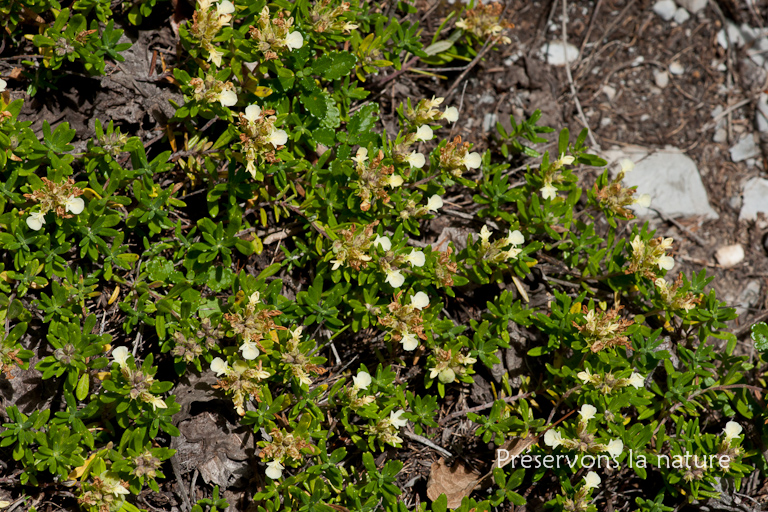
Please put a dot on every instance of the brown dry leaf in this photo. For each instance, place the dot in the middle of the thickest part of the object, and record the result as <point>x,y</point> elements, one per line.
<point>455,482</point>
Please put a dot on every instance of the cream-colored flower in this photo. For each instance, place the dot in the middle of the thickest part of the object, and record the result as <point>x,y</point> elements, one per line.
<point>3,85</point>
<point>120,355</point>
<point>666,262</point>
<point>277,138</point>
<point>627,165</point>
<point>225,7</point>
<point>416,160</point>
<point>515,237</point>
<point>215,56</point>
<point>361,156</point>
<point>587,412</point>
<point>416,258</point>
<point>553,438</point>
<point>615,447</point>
<point>227,98</point>
<point>420,300</point>
<point>294,41</point>
<point>274,469</point>
<point>254,298</point>
<point>732,430</point>
<point>250,350</point>
<point>451,114</point>
<point>485,233</point>
<point>592,480</point>
<point>219,366</point>
<point>424,133</point>
<point>472,160</point>
<point>585,376</point>
<point>566,160</point>
<point>394,419</point>
<point>74,205</point>
<point>158,403</point>
<point>348,27</point>
<point>434,203</point>
<point>383,241</point>
<point>643,200</point>
<point>36,220</point>
<point>336,264</point>
<point>394,180</point>
<point>395,278</point>
<point>362,380</point>
<point>409,341</point>
<point>548,191</point>
<point>447,376</point>
<point>252,113</point>
<point>636,380</point>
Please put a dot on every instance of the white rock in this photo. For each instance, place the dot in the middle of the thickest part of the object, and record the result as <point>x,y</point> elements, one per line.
<point>609,91</point>
<point>676,68</point>
<point>734,34</point>
<point>665,9</point>
<point>681,16</point>
<point>761,114</point>
<point>661,78</point>
<point>693,6</point>
<point>745,149</point>
<point>755,199</point>
<point>669,176</point>
<point>559,55</point>
<point>489,120</point>
<point>721,135</point>
<point>730,255</point>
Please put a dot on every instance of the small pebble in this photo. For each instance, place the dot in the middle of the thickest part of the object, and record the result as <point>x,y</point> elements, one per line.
<point>661,78</point>
<point>665,9</point>
<point>730,255</point>
<point>610,92</point>
<point>681,16</point>
<point>676,68</point>
<point>721,135</point>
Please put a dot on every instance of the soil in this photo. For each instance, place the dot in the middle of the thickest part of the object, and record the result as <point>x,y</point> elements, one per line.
<point>621,42</point>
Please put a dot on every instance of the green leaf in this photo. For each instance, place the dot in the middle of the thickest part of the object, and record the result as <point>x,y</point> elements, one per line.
<point>314,102</point>
<point>334,65</point>
<point>83,385</point>
<point>760,336</point>
<point>361,124</point>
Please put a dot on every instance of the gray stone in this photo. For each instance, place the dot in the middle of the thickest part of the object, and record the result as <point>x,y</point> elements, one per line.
<point>749,297</point>
<point>665,9</point>
<point>558,55</point>
<point>755,199</point>
<point>745,149</point>
<point>693,6</point>
<point>721,135</point>
<point>661,78</point>
<point>681,16</point>
<point>669,176</point>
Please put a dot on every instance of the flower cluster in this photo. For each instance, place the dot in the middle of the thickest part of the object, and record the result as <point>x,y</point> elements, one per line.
<point>485,22</point>
<point>211,90</point>
<point>106,493</point>
<point>584,441</point>
<point>60,198</point>
<point>147,465</point>
<point>390,263</point>
<point>455,158</point>
<point>551,175</point>
<point>649,256</point>
<point>360,383</point>
<point>449,365</point>
<point>298,363</point>
<point>240,379</point>
<point>326,17</point>
<point>373,178</point>
<point>274,35</point>
<point>616,198</point>
<point>500,250</point>
<point>351,249</point>
<point>207,22</point>
<point>580,501</point>
<point>187,349</point>
<point>404,321</point>
<point>426,112</point>
<point>282,445</point>
<point>674,296</point>
<point>386,428</point>
<point>445,268</point>
<point>604,329</point>
<point>608,383</point>
<point>259,137</point>
<point>729,450</point>
<point>411,209</point>
<point>140,381</point>
<point>252,326</point>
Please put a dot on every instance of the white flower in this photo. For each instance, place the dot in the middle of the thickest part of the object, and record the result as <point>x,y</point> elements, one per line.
<point>362,380</point>
<point>250,350</point>
<point>565,160</point>
<point>158,402</point>
<point>627,165</point>
<point>120,355</point>
<point>586,376</point>
<point>447,376</point>
<point>416,160</point>
<point>592,480</point>
<point>424,133</point>
<point>383,241</point>
<point>277,138</point>
<point>666,262</point>
<point>395,278</point>
<point>294,41</point>
<point>394,181</point>
<point>219,366</point>
<point>420,300</point>
<point>225,7</point>
<point>451,114</point>
<point>274,469</point>
<point>214,55</point>
<point>254,298</point>
<point>485,233</point>
<point>636,380</point>
<point>615,448</point>
<point>394,418</point>
<point>732,430</point>
<point>3,85</point>
<point>515,237</point>
<point>587,412</point>
<point>227,98</point>
<point>409,341</point>
<point>434,203</point>
<point>472,160</point>
<point>644,200</point>
<point>416,258</point>
<point>361,156</point>
<point>349,27</point>
<point>74,205</point>
<point>36,220</point>
<point>553,438</point>
<point>336,264</point>
<point>548,191</point>
<point>252,113</point>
